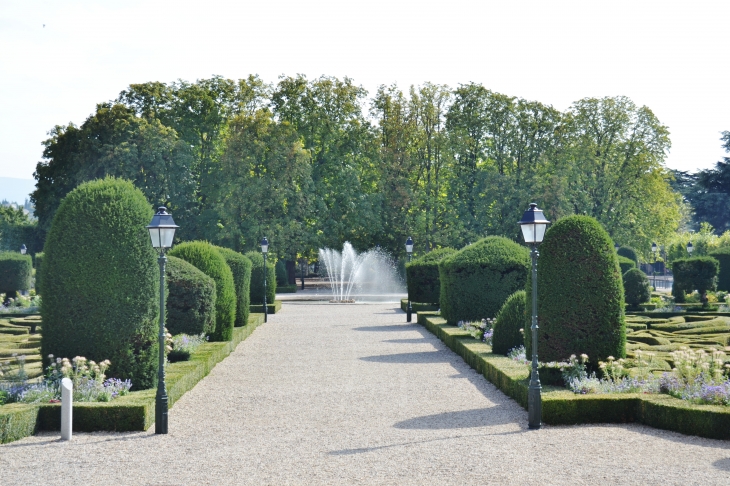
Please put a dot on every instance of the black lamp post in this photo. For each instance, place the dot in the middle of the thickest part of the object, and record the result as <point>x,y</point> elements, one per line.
<point>409,250</point>
<point>264,251</point>
<point>162,231</point>
<point>533,225</point>
<point>23,249</point>
<point>653,267</point>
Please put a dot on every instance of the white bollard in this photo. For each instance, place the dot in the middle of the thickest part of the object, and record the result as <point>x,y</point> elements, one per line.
<point>67,394</point>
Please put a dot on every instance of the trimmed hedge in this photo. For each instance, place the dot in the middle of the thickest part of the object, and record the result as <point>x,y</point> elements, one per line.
<point>16,272</point>
<point>190,304</point>
<point>722,255</point>
<point>580,293</point>
<point>38,263</point>
<point>625,264</point>
<point>698,273</point>
<point>562,407</point>
<point>257,279</point>
<point>636,288</point>
<point>103,299</point>
<point>206,258</point>
<point>422,276</point>
<point>630,253</point>
<point>476,280</point>
<point>510,319</point>
<point>281,276</point>
<point>241,268</point>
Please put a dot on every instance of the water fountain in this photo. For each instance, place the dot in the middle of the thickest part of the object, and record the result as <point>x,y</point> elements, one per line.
<point>369,276</point>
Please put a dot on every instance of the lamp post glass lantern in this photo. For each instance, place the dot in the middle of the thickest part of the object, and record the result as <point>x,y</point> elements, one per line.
<point>265,251</point>
<point>23,249</point>
<point>409,250</point>
<point>533,225</point>
<point>162,232</point>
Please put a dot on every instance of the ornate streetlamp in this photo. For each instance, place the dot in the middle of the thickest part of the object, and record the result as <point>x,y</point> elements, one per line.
<point>162,231</point>
<point>409,250</point>
<point>23,249</point>
<point>264,251</point>
<point>533,225</point>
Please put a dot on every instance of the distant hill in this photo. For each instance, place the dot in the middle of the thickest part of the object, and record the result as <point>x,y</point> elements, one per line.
<point>16,190</point>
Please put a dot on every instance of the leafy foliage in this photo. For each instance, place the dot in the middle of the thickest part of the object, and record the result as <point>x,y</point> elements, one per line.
<point>191,298</point>
<point>422,276</point>
<point>580,293</point>
<point>636,287</point>
<point>241,268</point>
<point>476,280</point>
<point>625,264</point>
<point>257,279</point>
<point>206,258</point>
<point>510,321</point>
<point>630,253</point>
<point>722,255</point>
<point>101,281</point>
<point>16,271</point>
<point>699,273</point>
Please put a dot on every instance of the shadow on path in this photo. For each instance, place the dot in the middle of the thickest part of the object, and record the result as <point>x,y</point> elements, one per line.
<point>461,419</point>
<point>394,327</point>
<point>723,464</point>
<point>406,341</point>
<point>406,358</point>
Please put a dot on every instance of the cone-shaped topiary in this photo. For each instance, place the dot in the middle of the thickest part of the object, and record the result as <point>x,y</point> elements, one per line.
<point>422,275</point>
<point>207,259</point>
<point>630,253</point>
<point>510,321</point>
<point>241,268</point>
<point>636,288</point>
<point>16,271</point>
<point>625,264</point>
<point>190,302</point>
<point>580,294</point>
<point>257,279</point>
<point>101,281</point>
<point>476,280</point>
<point>722,255</point>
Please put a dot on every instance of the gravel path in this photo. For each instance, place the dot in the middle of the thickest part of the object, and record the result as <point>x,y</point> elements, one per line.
<point>351,394</point>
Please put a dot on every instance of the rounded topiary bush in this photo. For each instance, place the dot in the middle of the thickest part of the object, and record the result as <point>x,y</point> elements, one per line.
<point>580,294</point>
<point>510,320</point>
<point>191,297</point>
<point>241,268</point>
<point>257,279</point>
<point>630,253</point>
<point>101,281</point>
<point>207,259</point>
<point>636,288</point>
<point>422,276</point>
<point>722,255</point>
<point>625,264</point>
<point>16,272</point>
<point>476,280</point>
<point>690,274</point>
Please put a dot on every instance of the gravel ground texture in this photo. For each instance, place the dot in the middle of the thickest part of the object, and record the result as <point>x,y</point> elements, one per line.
<point>352,394</point>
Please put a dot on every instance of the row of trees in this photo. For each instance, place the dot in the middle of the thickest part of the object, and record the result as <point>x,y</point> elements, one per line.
<point>313,163</point>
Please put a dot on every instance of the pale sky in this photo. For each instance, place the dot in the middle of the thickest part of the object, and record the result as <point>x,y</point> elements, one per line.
<point>671,56</point>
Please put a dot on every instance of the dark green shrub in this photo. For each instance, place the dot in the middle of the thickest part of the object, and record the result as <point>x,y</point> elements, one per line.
<point>580,294</point>
<point>698,273</point>
<point>103,299</point>
<point>257,279</point>
<point>636,288</point>
<point>16,272</point>
<point>625,264</point>
<point>281,277</point>
<point>241,268</point>
<point>510,319</point>
<point>476,280</point>
<point>207,259</point>
<point>630,253</point>
<point>722,255</point>
<point>190,304</point>
<point>422,275</point>
<point>38,262</point>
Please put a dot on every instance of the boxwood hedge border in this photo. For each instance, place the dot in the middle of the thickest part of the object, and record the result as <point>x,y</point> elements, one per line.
<point>133,412</point>
<point>562,407</point>
<point>272,308</point>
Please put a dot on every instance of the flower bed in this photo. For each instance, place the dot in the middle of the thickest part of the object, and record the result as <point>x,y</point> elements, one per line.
<point>133,412</point>
<point>561,406</point>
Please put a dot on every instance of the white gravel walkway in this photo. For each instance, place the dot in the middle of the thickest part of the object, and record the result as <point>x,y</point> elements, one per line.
<point>351,394</point>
